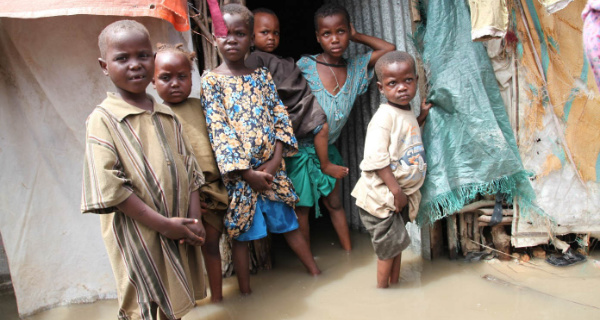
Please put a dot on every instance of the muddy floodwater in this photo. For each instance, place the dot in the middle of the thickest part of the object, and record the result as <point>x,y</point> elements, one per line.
<point>439,289</point>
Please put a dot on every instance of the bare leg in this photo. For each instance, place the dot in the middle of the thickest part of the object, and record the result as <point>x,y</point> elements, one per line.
<point>321,146</point>
<point>296,241</point>
<point>395,275</point>
<point>384,269</point>
<point>338,216</point>
<point>304,227</point>
<point>212,261</point>
<point>241,265</point>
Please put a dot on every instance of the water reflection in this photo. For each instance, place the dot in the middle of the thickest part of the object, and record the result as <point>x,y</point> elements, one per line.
<point>427,290</point>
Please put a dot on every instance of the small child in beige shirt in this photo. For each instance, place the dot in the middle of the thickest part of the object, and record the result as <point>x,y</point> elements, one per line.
<point>393,168</point>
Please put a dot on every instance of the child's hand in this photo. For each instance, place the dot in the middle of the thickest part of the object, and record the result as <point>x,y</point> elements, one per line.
<point>270,167</point>
<point>400,200</point>
<point>197,229</point>
<point>352,32</point>
<point>425,106</point>
<point>177,229</point>
<point>203,207</point>
<point>258,180</point>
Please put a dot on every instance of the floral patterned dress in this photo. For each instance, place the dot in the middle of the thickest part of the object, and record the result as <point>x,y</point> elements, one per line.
<point>245,118</point>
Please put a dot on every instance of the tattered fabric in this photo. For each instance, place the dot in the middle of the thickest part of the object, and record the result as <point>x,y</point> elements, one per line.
<point>470,146</point>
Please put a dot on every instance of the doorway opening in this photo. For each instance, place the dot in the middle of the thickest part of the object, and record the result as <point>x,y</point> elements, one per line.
<point>295,23</point>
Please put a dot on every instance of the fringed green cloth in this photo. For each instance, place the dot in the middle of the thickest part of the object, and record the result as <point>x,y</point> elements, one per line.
<point>468,139</point>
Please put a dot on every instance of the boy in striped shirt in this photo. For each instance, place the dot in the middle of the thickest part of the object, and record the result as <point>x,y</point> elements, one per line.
<point>141,176</point>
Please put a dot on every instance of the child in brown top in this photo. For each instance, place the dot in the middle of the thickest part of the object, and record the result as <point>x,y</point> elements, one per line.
<point>307,116</point>
<point>173,82</point>
<point>266,30</point>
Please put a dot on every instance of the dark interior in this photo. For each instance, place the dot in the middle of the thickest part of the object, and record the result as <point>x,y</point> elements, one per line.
<point>296,24</point>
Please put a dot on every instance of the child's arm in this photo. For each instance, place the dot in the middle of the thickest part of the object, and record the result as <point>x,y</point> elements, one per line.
<point>172,228</point>
<point>400,199</point>
<point>425,106</point>
<point>195,211</point>
<point>321,147</point>
<point>284,132</point>
<point>379,46</point>
<point>258,180</point>
<point>273,164</point>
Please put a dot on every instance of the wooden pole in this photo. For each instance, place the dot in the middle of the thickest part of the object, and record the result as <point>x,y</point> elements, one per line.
<point>452,237</point>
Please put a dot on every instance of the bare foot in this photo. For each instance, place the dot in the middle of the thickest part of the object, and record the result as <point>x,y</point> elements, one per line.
<point>246,293</point>
<point>216,299</point>
<point>383,285</point>
<point>334,170</point>
<point>314,272</point>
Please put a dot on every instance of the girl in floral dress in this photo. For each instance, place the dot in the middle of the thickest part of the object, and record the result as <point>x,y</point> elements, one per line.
<point>250,132</point>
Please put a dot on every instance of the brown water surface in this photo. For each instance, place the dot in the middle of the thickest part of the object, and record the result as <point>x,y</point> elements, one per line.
<point>440,289</point>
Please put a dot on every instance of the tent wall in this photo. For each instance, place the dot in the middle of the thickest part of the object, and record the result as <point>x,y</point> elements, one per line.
<point>174,11</point>
<point>50,81</point>
<point>564,107</point>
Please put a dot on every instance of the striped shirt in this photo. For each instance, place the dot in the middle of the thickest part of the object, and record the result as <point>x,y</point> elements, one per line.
<point>133,151</point>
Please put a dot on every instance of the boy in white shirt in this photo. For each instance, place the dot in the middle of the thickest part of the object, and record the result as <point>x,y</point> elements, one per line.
<point>393,168</point>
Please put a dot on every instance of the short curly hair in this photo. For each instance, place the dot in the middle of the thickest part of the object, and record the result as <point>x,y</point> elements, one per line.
<point>391,57</point>
<point>264,10</point>
<point>117,27</point>
<point>235,8</point>
<point>177,48</point>
<point>328,10</point>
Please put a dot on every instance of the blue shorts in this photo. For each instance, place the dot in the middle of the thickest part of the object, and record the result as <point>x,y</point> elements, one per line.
<point>277,217</point>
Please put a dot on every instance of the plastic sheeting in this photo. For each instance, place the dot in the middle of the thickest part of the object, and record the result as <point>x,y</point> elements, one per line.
<point>50,81</point>
<point>468,139</point>
<point>568,191</point>
<point>174,11</point>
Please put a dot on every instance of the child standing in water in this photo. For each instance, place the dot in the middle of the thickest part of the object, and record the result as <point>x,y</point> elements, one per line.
<point>141,176</point>
<point>250,132</point>
<point>393,168</point>
<point>336,83</point>
<point>173,82</point>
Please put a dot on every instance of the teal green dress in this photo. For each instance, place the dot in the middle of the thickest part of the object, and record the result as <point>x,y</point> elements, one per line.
<point>304,168</point>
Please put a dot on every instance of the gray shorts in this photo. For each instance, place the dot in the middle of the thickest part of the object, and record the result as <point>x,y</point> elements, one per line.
<point>389,235</point>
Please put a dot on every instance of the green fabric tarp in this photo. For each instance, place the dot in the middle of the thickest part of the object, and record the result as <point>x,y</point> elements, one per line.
<point>468,139</point>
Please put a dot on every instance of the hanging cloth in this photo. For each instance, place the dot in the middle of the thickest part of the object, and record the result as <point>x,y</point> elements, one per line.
<point>468,140</point>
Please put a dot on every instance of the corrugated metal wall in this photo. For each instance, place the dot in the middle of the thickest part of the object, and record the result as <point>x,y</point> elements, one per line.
<point>390,20</point>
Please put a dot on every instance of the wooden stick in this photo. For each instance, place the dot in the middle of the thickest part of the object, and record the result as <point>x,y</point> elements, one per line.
<point>463,233</point>
<point>488,219</point>
<point>205,33</point>
<point>492,278</point>
<point>452,237</point>
<point>486,224</point>
<point>476,205</point>
<point>489,212</point>
<point>487,247</point>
